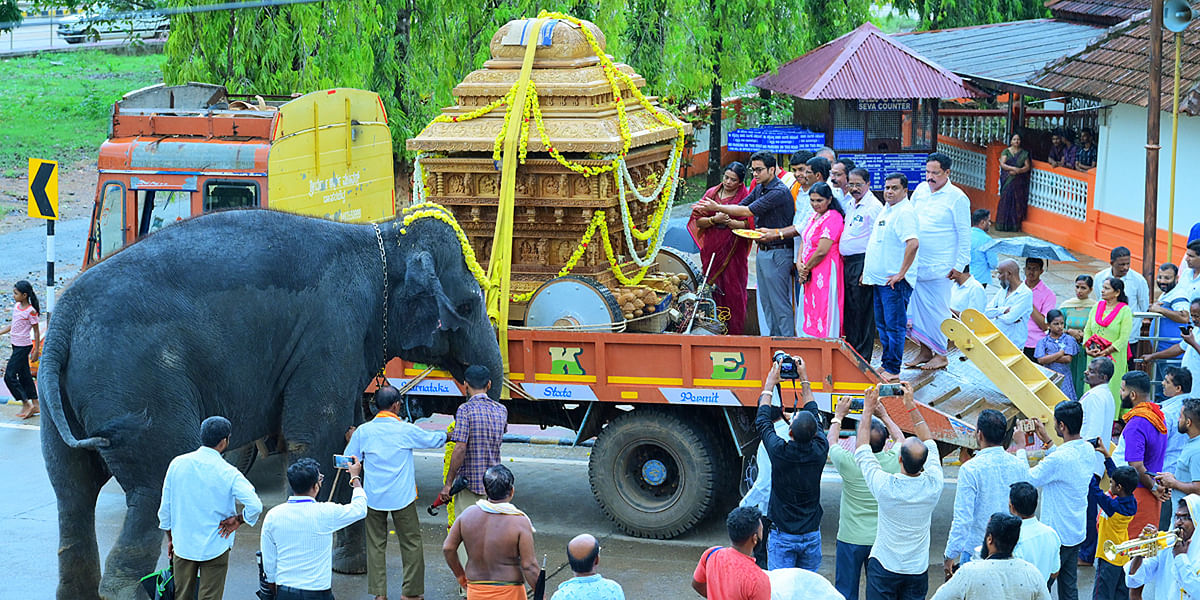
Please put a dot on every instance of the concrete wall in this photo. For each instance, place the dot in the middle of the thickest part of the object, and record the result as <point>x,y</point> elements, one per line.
<point>1121,172</point>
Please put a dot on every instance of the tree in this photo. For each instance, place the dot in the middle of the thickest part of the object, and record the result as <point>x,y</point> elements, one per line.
<point>944,14</point>
<point>10,15</point>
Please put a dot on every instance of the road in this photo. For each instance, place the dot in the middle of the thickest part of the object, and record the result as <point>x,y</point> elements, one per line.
<point>41,36</point>
<point>551,486</point>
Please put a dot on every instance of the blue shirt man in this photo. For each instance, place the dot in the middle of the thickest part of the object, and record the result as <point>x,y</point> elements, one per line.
<point>583,554</point>
<point>982,263</point>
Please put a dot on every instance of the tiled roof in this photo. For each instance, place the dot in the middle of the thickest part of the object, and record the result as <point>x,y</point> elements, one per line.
<point>1013,52</point>
<point>864,64</point>
<point>1100,12</point>
<point>1115,68</point>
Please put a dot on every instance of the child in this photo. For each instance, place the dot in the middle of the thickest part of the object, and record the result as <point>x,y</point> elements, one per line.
<point>1057,350</point>
<point>1118,508</point>
<point>17,375</point>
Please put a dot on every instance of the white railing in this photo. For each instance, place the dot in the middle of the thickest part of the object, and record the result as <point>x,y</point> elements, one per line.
<point>968,167</point>
<point>975,129</point>
<point>1058,194</point>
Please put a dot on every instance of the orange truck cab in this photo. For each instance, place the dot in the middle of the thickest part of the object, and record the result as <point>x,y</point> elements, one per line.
<point>179,151</point>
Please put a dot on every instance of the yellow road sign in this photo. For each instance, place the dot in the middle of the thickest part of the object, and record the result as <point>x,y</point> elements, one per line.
<point>43,189</point>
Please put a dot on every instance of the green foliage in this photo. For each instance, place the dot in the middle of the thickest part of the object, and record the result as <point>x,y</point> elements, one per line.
<point>10,15</point>
<point>944,14</point>
<point>57,106</point>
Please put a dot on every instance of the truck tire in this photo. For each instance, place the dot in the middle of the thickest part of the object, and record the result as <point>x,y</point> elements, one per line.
<point>654,474</point>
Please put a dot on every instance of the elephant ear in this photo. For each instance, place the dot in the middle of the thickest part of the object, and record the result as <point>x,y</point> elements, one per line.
<point>423,304</point>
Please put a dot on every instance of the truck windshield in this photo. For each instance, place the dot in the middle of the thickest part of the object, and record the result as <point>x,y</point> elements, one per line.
<point>220,195</point>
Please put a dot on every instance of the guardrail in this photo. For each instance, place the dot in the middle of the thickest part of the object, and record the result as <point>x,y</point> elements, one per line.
<point>969,167</point>
<point>1058,193</point>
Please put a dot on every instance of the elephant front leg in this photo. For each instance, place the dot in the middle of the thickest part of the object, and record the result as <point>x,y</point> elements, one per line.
<point>137,549</point>
<point>318,431</point>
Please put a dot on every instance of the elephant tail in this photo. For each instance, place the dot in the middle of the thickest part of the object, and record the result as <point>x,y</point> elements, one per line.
<point>50,392</point>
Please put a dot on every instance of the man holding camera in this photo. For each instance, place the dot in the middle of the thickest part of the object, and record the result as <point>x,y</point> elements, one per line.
<point>796,465</point>
<point>385,444</point>
<point>298,534</point>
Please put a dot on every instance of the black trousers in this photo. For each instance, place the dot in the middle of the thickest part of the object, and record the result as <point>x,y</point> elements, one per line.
<point>858,311</point>
<point>17,376</point>
<point>885,585</point>
<point>284,592</point>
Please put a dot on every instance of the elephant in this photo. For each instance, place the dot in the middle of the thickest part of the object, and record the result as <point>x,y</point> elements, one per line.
<point>276,321</point>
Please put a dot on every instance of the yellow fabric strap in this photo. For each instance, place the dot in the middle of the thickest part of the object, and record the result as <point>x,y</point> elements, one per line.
<point>500,262</point>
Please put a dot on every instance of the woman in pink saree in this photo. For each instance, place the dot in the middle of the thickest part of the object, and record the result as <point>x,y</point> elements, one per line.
<point>820,264</point>
<point>724,256</point>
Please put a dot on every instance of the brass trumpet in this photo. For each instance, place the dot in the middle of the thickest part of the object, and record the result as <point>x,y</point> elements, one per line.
<point>1143,546</point>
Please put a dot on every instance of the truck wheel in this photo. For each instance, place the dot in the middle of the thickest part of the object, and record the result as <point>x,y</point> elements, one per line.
<point>654,474</point>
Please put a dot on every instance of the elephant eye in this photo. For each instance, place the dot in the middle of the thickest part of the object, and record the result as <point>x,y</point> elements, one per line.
<point>465,308</point>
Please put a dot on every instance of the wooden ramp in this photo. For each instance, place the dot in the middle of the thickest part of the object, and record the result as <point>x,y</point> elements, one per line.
<point>1024,383</point>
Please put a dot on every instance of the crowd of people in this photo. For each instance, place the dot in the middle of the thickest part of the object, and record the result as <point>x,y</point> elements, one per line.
<point>997,546</point>
<point>488,548</point>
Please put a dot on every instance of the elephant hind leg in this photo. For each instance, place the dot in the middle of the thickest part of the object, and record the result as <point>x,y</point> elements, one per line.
<point>137,549</point>
<point>76,476</point>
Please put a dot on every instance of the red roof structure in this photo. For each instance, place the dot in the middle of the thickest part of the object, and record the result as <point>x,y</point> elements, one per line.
<point>1098,12</point>
<point>864,64</point>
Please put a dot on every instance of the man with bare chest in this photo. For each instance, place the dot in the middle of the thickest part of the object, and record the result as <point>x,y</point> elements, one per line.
<point>499,542</point>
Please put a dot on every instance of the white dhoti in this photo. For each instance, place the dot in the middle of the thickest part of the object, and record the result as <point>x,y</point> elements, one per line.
<point>927,309</point>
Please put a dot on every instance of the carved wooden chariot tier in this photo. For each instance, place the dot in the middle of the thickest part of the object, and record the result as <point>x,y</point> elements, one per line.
<point>554,204</point>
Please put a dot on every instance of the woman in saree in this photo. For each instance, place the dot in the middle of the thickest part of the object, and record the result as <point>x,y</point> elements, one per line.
<point>1107,332</point>
<point>1077,311</point>
<point>820,264</point>
<point>1014,186</point>
<point>723,255</point>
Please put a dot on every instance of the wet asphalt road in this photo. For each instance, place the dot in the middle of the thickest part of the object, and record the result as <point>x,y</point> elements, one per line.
<point>551,486</point>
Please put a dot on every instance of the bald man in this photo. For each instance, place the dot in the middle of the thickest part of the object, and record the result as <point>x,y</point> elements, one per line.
<point>583,554</point>
<point>1012,306</point>
<point>796,464</point>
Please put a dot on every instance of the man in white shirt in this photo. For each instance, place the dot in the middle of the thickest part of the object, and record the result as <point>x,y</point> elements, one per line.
<point>1011,306</point>
<point>759,495</point>
<point>1063,476</point>
<point>1039,542</point>
<point>897,569</point>
<point>967,293</point>
<point>297,536</point>
<point>385,444</point>
<point>891,254</point>
<point>1136,287</point>
<point>839,170</point>
<point>983,488</point>
<point>199,514</point>
<point>858,308</point>
<point>945,215</point>
<point>1099,410</point>
<point>1173,573</point>
<point>1188,347</point>
<point>1000,574</point>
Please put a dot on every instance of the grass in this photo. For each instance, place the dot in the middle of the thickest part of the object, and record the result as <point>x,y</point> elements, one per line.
<point>57,106</point>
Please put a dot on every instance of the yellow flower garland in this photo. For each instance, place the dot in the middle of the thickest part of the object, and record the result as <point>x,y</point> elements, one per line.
<point>442,214</point>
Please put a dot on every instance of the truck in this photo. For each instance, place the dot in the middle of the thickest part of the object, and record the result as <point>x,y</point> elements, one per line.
<point>175,152</point>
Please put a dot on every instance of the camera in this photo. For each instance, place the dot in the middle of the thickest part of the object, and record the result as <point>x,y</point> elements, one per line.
<point>1185,329</point>
<point>787,365</point>
<point>890,389</point>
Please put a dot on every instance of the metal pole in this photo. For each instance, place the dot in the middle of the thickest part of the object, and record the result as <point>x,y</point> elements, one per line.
<point>1174,151</point>
<point>49,266</point>
<point>1153,121</point>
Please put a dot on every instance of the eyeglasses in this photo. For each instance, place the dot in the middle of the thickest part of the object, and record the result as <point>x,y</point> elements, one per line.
<point>851,184</point>
<point>757,170</point>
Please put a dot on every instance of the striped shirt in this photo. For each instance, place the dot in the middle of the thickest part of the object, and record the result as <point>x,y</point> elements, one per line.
<point>480,422</point>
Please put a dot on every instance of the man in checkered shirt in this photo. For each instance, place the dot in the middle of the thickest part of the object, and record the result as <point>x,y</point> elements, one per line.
<point>479,426</point>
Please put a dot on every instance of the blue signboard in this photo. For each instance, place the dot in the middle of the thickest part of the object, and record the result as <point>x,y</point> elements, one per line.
<point>880,165</point>
<point>776,139</point>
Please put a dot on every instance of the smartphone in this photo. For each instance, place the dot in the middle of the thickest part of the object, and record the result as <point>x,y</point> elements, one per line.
<point>342,461</point>
<point>890,389</point>
<point>1185,329</point>
<point>1095,442</point>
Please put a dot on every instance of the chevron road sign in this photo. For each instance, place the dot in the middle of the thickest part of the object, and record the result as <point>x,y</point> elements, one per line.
<point>43,189</point>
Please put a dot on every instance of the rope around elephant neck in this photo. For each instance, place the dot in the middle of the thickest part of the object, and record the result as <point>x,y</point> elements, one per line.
<point>383,256</point>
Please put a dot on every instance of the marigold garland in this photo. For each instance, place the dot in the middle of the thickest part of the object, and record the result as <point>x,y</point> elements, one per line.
<point>441,213</point>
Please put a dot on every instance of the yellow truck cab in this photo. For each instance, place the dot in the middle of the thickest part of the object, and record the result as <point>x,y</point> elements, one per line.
<point>179,151</point>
